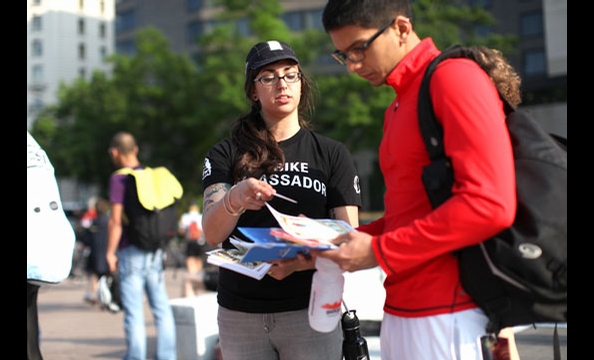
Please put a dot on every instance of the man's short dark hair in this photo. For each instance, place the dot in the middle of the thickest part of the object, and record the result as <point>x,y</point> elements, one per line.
<point>364,13</point>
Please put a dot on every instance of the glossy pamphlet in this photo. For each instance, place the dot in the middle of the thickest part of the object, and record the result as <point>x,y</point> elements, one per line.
<point>231,259</point>
<point>296,234</point>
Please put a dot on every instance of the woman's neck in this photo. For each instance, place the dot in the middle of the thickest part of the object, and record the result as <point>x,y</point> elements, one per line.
<point>284,128</point>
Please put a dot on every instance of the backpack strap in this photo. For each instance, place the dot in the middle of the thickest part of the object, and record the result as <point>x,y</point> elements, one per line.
<point>431,130</point>
<point>438,176</point>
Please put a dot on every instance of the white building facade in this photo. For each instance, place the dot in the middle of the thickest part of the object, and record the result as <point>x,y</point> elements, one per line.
<point>66,39</point>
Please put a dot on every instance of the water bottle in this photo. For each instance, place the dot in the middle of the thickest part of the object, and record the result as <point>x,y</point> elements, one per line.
<point>354,346</point>
<point>325,298</point>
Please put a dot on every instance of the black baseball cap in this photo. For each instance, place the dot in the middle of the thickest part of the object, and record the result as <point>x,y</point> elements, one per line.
<point>267,52</point>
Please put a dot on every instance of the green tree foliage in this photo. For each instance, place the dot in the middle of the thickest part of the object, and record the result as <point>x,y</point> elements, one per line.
<point>152,94</point>
<point>178,108</point>
<point>74,131</point>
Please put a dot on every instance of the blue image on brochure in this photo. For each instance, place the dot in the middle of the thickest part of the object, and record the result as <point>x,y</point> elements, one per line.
<point>267,246</point>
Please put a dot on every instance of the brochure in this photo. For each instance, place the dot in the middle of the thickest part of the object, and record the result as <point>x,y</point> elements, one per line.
<point>231,259</point>
<point>310,231</point>
<point>268,246</point>
<point>296,234</point>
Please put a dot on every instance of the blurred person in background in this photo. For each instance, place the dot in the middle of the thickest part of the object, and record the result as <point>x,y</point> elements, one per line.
<point>140,271</point>
<point>95,238</point>
<point>90,214</point>
<point>190,228</point>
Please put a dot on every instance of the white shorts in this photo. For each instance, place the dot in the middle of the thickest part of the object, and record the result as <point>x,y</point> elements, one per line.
<point>453,336</point>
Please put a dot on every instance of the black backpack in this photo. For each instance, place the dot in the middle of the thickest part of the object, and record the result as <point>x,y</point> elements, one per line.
<point>518,277</point>
<point>151,206</point>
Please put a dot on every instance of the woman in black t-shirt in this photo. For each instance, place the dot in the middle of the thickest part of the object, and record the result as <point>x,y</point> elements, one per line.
<point>273,149</point>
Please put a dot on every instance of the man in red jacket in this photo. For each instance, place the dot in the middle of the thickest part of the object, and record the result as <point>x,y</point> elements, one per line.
<point>427,314</point>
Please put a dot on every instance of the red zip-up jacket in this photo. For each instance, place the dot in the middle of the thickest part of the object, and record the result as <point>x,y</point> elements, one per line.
<point>412,242</point>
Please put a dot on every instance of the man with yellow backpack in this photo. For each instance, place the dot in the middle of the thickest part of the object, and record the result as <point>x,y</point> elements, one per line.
<point>143,201</point>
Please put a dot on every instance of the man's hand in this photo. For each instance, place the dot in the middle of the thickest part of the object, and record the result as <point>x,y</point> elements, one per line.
<point>354,252</point>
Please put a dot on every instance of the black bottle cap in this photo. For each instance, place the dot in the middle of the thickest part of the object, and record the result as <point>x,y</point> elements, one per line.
<point>350,321</point>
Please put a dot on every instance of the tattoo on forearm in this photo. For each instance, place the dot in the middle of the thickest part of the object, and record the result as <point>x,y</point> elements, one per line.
<point>210,191</point>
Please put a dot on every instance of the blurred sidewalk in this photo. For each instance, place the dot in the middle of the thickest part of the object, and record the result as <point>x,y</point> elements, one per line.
<point>74,330</point>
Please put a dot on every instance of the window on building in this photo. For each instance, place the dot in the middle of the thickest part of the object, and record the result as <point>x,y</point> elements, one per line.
<point>485,4</point>
<point>293,20</point>
<point>194,30</point>
<point>36,2</point>
<point>37,74</point>
<point>209,4</point>
<point>325,59</point>
<point>36,48</point>
<point>81,4</point>
<point>36,105</point>
<point>483,30</point>
<point>313,19</point>
<point>103,52</point>
<point>195,56</point>
<point>193,5</point>
<point>82,72</point>
<point>243,27</point>
<point>36,23</point>
<point>81,51</point>
<point>102,30</point>
<point>81,26</point>
<point>102,7</point>
<point>126,47</point>
<point>125,21</point>
<point>531,24</point>
<point>535,63</point>
<point>209,25</point>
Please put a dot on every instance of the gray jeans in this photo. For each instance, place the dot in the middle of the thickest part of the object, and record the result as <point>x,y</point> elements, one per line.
<point>275,336</point>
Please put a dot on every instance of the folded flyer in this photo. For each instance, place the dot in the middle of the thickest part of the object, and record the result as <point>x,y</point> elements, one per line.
<point>231,259</point>
<point>268,246</point>
<point>297,234</point>
<point>310,231</point>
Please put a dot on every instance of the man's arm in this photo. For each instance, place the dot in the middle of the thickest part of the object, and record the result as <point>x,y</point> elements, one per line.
<point>114,234</point>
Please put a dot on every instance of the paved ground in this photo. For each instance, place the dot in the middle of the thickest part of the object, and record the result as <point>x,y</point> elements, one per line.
<point>74,330</point>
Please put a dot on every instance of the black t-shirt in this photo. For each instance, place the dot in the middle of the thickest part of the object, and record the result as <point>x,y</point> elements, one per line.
<point>320,174</point>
